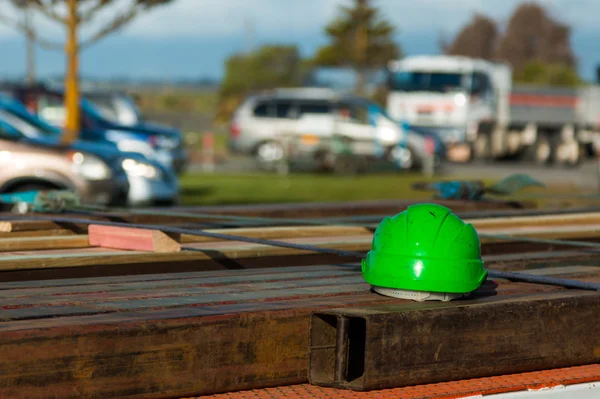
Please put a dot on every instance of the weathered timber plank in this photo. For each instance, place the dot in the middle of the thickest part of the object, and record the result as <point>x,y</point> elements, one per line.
<point>200,279</point>
<point>110,281</point>
<point>195,295</point>
<point>37,233</point>
<point>282,232</point>
<point>199,251</point>
<point>359,348</point>
<point>29,225</point>
<point>44,242</point>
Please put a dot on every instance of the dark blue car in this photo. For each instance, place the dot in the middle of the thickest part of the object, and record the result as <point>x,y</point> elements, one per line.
<point>160,143</point>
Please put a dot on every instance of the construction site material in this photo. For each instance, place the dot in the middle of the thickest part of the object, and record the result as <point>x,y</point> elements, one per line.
<point>133,239</point>
<point>230,311</point>
<point>564,383</point>
<point>58,257</point>
<point>400,345</point>
<point>169,335</point>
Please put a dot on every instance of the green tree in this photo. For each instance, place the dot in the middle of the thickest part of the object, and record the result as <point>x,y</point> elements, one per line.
<point>477,39</point>
<point>268,67</point>
<point>540,73</point>
<point>360,39</point>
<point>533,35</point>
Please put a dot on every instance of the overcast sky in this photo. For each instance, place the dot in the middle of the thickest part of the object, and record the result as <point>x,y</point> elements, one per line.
<point>192,38</point>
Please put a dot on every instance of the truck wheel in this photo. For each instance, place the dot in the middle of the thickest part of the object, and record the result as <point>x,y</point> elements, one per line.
<point>542,151</point>
<point>569,155</point>
<point>481,147</point>
<point>404,157</point>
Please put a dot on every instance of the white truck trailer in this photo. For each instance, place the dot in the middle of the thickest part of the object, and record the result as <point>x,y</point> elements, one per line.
<point>472,102</point>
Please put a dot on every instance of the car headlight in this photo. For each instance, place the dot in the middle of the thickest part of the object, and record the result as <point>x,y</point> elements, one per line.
<point>89,166</point>
<point>387,134</point>
<point>125,143</point>
<point>140,169</point>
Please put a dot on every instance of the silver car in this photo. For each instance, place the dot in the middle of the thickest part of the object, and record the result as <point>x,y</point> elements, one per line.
<point>263,125</point>
<point>150,183</point>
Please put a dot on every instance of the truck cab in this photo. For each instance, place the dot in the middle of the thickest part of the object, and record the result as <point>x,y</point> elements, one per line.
<point>449,94</point>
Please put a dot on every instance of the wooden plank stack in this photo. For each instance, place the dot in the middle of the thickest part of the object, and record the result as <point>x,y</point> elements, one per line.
<point>89,312</point>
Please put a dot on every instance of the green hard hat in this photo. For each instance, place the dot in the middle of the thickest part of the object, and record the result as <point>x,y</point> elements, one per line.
<point>425,248</point>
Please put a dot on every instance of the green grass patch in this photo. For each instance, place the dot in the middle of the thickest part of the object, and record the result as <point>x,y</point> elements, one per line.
<point>173,100</point>
<point>211,189</point>
<point>220,189</point>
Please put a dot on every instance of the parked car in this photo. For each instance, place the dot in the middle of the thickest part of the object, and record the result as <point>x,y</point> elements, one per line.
<point>150,183</point>
<point>26,165</point>
<point>117,107</point>
<point>155,142</point>
<point>262,120</point>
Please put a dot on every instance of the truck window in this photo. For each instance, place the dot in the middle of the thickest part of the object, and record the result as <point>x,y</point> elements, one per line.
<point>411,81</point>
<point>480,84</point>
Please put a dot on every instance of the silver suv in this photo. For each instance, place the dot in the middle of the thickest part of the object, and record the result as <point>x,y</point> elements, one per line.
<point>261,124</point>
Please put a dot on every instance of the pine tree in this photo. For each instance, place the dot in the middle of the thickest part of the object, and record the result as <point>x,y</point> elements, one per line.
<point>360,39</point>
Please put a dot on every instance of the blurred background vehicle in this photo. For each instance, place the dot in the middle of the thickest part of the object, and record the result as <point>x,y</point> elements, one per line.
<point>511,87</point>
<point>473,101</point>
<point>149,182</point>
<point>261,124</point>
<point>29,165</point>
<point>155,142</point>
<point>117,107</point>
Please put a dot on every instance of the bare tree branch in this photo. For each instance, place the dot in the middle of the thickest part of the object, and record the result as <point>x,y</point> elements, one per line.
<point>21,28</point>
<point>117,23</point>
<point>120,20</point>
<point>89,14</point>
<point>47,9</point>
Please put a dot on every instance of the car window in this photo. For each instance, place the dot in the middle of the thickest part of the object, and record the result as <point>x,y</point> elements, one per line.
<point>51,109</point>
<point>262,109</point>
<point>8,132</point>
<point>283,108</point>
<point>20,124</point>
<point>353,112</point>
<point>313,107</point>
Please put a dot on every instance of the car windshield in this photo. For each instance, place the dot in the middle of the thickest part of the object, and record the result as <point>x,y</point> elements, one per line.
<point>441,82</point>
<point>120,110</point>
<point>29,127</point>
<point>94,111</point>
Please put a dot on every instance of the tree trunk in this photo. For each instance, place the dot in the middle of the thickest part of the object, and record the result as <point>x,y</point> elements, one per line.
<point>361,83</point>
<point>30,44</point>
<point>72,124</point>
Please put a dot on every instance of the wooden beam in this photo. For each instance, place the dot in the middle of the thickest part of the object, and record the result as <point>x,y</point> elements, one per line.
<point>133,239</point>
<point>44,242</point>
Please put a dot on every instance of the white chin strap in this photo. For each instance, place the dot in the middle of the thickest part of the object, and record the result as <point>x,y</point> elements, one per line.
<point>418,296</point>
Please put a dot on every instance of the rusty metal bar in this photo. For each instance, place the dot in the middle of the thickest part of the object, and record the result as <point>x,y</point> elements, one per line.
<point>398,345</point>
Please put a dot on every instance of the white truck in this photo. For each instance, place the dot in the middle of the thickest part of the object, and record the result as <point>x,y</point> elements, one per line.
<point>472,102</point>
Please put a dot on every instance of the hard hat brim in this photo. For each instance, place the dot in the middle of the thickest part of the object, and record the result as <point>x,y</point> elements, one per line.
<point>423,273</point>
